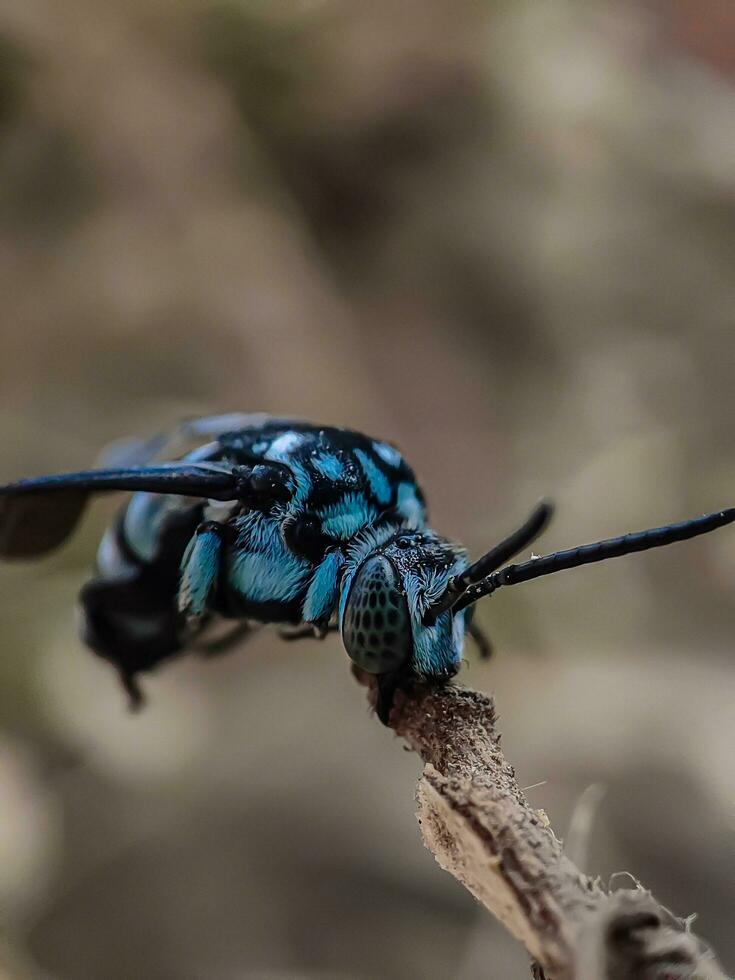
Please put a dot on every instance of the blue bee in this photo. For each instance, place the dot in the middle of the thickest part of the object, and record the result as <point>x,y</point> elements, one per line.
<point>273,520</point>
<point>252,526</point>
<point>407,596</point>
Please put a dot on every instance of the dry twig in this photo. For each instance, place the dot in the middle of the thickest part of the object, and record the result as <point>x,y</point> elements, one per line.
<point>478,824</point>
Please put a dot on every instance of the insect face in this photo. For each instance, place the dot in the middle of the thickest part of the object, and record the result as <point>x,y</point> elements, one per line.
<point>390,582</point>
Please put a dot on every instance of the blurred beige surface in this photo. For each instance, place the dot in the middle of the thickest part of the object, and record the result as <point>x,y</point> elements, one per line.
<point>500,234</point>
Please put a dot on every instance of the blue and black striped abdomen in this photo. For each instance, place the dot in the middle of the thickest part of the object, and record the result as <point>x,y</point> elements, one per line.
<point>129,611</point>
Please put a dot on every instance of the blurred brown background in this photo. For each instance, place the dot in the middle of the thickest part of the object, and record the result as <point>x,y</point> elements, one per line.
<point>501,234</point>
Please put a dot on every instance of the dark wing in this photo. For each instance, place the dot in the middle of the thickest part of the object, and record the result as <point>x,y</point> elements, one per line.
<point>39,514</point>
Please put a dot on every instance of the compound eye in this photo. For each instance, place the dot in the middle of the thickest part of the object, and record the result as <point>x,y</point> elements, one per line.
<point>376,628</point>
<point>303,537</point>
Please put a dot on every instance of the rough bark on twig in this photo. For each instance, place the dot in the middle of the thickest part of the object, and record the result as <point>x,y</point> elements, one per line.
<point>478,824</point>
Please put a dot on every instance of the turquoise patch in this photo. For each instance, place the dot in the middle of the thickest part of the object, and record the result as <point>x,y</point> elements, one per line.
<point>263,569</point>
<point>389,454</point>
<point>324,589</point>
<point>379,482</point>
<point>330,466</point>
<point>409,505</point>
<point>434,647</point>
<point>344,519</point>
<point>199,572</point>
<point>144,519</point>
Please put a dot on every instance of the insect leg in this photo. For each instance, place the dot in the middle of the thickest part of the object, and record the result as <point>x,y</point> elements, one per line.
<point>387,685</point>
<point>202,573</point>
<point>200,569</point>
<point>482,640</point>
<point>222,642</point>
<point>307,633</point>
<point>323,592</point>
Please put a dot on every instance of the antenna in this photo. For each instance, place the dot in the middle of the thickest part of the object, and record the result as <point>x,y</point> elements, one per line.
<point>499,555</point>
<point>586,554</point>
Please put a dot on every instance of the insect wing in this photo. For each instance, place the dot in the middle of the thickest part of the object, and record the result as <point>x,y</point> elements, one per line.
<point>183,437</point>
<point>34,524</point>
<point>38,515</point>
